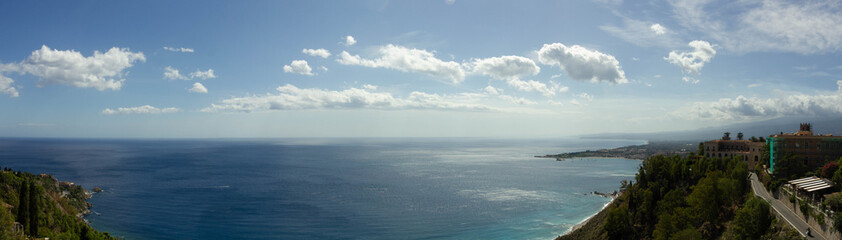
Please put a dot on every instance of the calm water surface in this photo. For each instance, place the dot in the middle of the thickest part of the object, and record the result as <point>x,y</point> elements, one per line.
<point>329,188</point>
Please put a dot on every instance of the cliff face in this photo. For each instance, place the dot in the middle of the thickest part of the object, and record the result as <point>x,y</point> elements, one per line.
<point>42,206</point>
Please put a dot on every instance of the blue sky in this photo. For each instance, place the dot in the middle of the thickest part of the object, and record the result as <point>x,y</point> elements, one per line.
<point>194,69</point>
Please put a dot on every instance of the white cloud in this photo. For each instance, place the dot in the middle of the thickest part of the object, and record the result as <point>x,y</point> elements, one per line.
<point>173,74</point>
<point>145,109</point>
<point>690,79</point>
<point>203,75</point>
<point>742,108</point>
<point>584,96</point>
<point>369,87</point>
<point>583,64</point>
<point>300,67</point>
<point>805,27</point>
<point>349,40</point>
<point>754,85</point>
<point>321,52</point>
<point>658,29</point>
<point>693,61</point>
<point>7,88</point>
<point>449,2</point>
<point>408,60</point>
<point>492,90</point>
<point>496,92</point>
<point>190,50</point>
<point>323,68</point>
<point>517,100</point>
<point>290,97</point>
<point>504,67</point>
<point>68,67</point>
<point>532,86</point>
<point>198,88</point>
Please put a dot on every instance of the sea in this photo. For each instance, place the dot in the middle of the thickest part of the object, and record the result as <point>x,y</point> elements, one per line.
<point>307,188</point>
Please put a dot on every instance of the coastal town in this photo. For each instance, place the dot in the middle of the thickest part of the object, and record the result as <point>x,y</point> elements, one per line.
<point>639,152</point>
<point>796,176</point>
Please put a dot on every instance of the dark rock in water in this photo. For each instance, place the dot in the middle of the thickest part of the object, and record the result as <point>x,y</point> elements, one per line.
<point>97,189</point>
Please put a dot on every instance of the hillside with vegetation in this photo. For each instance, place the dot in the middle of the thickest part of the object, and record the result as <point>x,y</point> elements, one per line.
<point>43,207</point>
<point>686,198</point>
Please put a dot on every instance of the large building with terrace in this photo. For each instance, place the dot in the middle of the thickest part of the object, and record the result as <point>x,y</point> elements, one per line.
<point>746,150</point>
<point>814,149</point>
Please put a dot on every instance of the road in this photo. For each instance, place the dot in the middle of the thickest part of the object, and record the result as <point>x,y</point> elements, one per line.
<point>788,215</point>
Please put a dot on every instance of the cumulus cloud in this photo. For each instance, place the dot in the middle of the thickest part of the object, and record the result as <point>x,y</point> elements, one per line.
<point>658,29</point>
<point>198,88</point>
<point>190,50</point>
<point>203,75</point>
<point>742,108</point>
<point>583,64</point>
<point>6,86</point>
<point>505,67</point>
<point>173,74</point>
<point>491,91</point>
<point>290,97</point>
<point>533,86</point>
<point>408,60</point>
<point>805,27</point>
<point>145,109</point>
<point>693,61</point>
<point>68,67</point>
<point>300,67</point>
<point>369,87</point>
<point>321,52</point>
<point>349,40</point>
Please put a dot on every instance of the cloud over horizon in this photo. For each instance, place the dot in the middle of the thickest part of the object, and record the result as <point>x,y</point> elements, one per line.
<point>290,97</point>
<point>408,60</point>
<point>747,108</point>
<point>145,109</point>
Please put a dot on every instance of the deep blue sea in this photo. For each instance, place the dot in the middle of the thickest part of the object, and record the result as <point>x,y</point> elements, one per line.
<point>329,188</point>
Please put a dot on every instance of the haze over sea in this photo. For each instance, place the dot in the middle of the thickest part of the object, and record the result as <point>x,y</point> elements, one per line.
<point>329,188</point>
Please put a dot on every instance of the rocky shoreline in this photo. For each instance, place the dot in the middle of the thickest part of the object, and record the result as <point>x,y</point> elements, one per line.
<point>41,206</point>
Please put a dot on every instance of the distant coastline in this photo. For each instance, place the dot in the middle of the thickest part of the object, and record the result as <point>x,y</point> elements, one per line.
<point>636,152</point>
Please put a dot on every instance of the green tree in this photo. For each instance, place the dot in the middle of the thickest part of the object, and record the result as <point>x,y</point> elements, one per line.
<point>6,220</point>
<point>701,149</point>
<point>740,136</point>
<point>706,198</point>
<point>617,223</point>
<point>837,222</point>
<point>834,201</point>
<point>805,209</point>
<point>34,193</point>
<point>687,234</point>
<point>23,205</point>
<point>752,220</point>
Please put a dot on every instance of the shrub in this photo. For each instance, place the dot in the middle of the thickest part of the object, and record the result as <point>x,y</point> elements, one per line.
<point>819,218</point>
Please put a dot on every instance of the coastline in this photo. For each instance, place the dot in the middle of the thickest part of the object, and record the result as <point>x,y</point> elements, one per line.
<point>588,219</point>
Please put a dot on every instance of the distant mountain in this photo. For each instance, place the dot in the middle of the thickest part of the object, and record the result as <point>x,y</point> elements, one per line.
<point>762,128</point>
